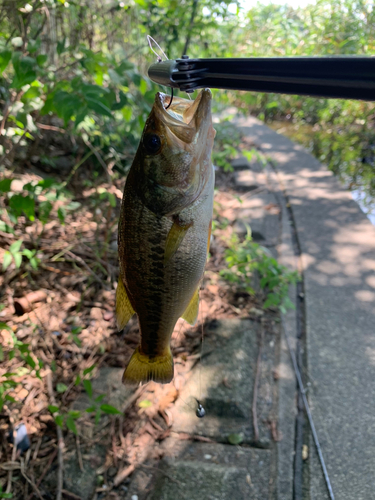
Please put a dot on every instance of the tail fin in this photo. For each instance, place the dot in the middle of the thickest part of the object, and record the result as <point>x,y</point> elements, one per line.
<point>143,368</point>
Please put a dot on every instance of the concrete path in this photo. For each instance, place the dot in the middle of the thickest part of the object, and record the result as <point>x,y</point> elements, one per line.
<point>337,244</point>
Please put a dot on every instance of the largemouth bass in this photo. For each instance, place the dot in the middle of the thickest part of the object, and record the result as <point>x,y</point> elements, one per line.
<point>165,229</point>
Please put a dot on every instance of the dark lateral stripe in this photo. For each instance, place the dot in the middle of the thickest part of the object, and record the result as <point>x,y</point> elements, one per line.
<point>158,273</point>
<point>158,250</point>
<point>154,240</point>
<point>158,265</point>
<point>155,257</point>
<point>156,282</point>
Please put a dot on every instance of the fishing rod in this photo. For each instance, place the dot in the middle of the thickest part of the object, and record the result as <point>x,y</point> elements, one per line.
<point>345,77</point>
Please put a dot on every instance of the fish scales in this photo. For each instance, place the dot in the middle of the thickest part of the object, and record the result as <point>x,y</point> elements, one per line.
<point>164,232</point>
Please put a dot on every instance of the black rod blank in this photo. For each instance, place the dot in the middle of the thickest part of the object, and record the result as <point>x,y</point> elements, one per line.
<point>347,77</point>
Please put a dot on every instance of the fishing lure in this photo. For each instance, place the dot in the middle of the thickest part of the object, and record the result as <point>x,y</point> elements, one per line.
<point>200,411</point>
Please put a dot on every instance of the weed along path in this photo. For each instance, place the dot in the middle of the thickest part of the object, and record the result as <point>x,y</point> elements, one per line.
<point>335,245</point>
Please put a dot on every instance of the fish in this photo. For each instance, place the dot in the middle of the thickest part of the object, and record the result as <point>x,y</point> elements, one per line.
<point>164,230</point>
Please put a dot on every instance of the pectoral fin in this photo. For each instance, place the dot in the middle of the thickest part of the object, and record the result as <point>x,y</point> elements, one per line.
<point>124,309</point>
<point>174,239</point>
<point>191,312</point>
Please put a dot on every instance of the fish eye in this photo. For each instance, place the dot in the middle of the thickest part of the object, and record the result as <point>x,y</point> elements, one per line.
<point>152,143</point>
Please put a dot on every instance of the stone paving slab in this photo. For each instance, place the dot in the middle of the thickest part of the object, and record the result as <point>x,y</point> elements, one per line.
<point>79,483</point>
<point>224,382</point>
<point>108,381</point>
<point>214,472</point>
<point>338,258</point>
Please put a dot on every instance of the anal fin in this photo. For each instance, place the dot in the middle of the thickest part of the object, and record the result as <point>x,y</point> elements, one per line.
<point>191,312</point>
<point>174,238</point>
<point>124,309</point>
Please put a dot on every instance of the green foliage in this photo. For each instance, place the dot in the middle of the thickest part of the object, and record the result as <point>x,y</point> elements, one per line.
<point>14,253</point>
<point>110,410</point>
<point>146,403</point>
<point>5,495</point>
<point>91,74</point>
<point>235,439</point>
<point>61,388</point>
<point>227,141</point>
<point>99,93</point>
<point>34,203</point>
<point>341,132</point>
<point>31,203</point>
<point>9,380</point>
<point>7,385</point>
<point>74,335</point>
<point>245,259</point>
<point>226,146</point>
<point>67,418</point>
<point>95,406</point>
<point>222,157</point>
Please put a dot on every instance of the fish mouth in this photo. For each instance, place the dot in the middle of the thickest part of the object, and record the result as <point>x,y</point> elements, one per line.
<point>184,117</point>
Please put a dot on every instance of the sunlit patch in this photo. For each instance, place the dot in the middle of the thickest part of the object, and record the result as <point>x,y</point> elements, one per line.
<point>328,267</point>
<point>285,372</point>
<point>370,280</point>
<point>365,295</point>
<point>370,352</point>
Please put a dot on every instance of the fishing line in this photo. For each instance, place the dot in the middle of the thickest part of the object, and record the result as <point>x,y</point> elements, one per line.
<point>159,58</point>
<point>150,41</point>
<point>200,361</point>
<point>199,410</point>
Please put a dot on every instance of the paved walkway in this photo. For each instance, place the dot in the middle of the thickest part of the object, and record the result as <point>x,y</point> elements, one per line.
<point>337,244</point>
